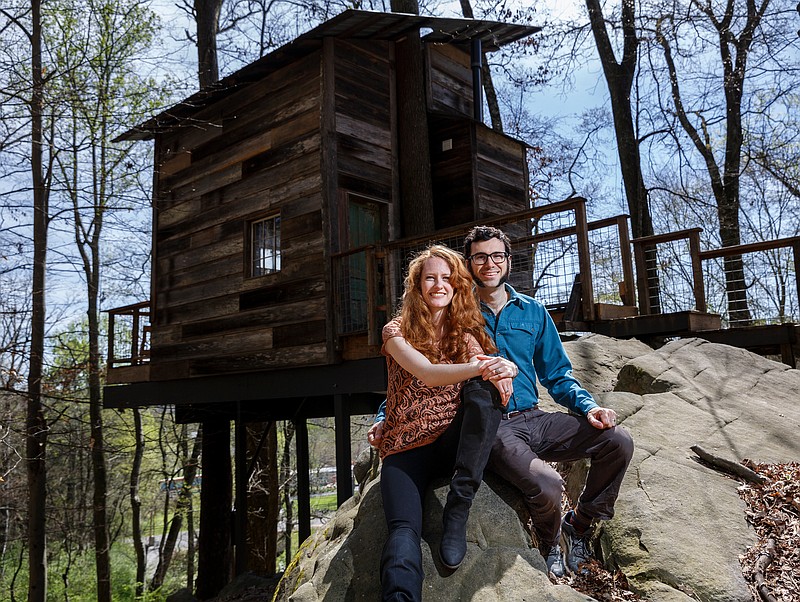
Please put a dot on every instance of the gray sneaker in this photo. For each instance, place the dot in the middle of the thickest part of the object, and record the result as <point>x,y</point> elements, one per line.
<point>578,548</point>
<point>555,561</point>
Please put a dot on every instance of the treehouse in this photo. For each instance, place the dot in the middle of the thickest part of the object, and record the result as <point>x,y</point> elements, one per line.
<point>270,187</point>
<point>275,192</point>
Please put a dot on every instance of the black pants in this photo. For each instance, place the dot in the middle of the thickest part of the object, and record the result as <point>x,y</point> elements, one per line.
<point>526,442</point>
<point>461,452</point>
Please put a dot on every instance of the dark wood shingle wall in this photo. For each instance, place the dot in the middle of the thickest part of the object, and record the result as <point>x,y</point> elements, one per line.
<point>255,154</point>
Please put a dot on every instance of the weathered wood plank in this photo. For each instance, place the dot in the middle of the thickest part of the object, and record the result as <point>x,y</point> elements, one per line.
<point>220,344</point>
<point>175,163</point>
<point>356,347</point>
<point>301,355</point>
<point>280,87</point>
<point>278,188</point>
<point>367,134</point>
<point>200,287</point>
<point>368,59</point>
<point>305,309</point>
<point>301,333</point>
<point>246,148</point>
<point>207,183</point>
<point>357,184</point>
<point>166,217</point>
<point>169,370</point>
<point>450,79</point>
<point>350,164</point>
<point>287,292</point>
<point>282,155</point>
<point>208,308</point>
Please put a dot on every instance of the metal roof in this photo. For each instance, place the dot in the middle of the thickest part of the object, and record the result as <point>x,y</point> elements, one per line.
<point>354,24</point>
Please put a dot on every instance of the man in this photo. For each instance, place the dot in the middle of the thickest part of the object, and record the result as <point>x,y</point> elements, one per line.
<point>528,437</point>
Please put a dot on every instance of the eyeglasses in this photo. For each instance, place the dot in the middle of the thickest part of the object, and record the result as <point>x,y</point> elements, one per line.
<point>481,258</point>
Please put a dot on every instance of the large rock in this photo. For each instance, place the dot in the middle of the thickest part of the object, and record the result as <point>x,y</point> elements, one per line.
<point>679,526</point>
<point>342,561</point>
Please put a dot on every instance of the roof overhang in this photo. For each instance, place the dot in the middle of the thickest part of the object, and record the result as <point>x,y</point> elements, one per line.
<point>351,24</point>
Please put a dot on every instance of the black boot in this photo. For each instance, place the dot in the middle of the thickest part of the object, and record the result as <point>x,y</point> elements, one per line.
<point>401,567</point>
<point>480,418</point>
<point>454,533</point>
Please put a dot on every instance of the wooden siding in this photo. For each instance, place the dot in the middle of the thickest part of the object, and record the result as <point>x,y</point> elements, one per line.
<point>365,155</point>
<point>482,174</point>
<point>449,79</point>
<point>501,173</point>
<point>363,109</point>
<point>256,153</point>
<point>452,171</point>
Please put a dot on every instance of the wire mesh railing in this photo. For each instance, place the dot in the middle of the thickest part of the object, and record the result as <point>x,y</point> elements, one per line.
<point>668,272</point>
<point>554,252</point>
<point>754,284</point>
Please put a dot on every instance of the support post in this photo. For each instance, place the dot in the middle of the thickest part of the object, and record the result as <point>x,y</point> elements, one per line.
<point>344,478</point>
<point>303,487</point>
<point>699,286</point>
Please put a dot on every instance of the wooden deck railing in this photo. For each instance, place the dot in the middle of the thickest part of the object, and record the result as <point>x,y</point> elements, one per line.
<point>551,246</point>
<point>652,279</point>
<point>776,303</point>
<point>556,252</point>
<point>132,324</point>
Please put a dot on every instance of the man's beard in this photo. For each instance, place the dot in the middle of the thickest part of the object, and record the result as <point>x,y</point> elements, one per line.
<point>479,283</point>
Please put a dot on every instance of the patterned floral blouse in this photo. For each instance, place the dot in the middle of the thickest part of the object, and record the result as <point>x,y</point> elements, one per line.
<point>416,414</point>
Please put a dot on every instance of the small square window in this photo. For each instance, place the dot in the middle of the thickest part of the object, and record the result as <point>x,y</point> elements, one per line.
<point>265,246</point>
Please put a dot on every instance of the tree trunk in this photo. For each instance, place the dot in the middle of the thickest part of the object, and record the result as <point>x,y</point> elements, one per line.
<point>214,559</point>
<point>724,182</point>
<point>136,502</point>
<point>99,470</point>
<point>619,76</point>
<point>416,186</point>
<point>207,15</point>
<point>262,520</point>
<point>182,506</point>
<point>287,489</point>
<point>35,425</point>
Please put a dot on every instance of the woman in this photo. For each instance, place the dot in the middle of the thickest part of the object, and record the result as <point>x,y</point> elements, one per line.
<point>434,427</point>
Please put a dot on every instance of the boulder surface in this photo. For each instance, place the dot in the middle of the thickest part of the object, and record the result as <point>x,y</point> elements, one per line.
<point>679,526</point>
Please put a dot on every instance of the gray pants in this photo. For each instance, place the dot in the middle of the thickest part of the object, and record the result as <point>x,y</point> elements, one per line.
<point>526,442</point>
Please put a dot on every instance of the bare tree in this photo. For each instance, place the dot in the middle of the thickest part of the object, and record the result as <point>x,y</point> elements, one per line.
<point>36,426</point>
<point>182,507</point>
<point>136,502</point>
<point>735,26</point>
<point>101,90</point>
<point>620,75</point>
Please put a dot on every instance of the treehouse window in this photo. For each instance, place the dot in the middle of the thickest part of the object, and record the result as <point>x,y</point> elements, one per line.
<point>265,246</point>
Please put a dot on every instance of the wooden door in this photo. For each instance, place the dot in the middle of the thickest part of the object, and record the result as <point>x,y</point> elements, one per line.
<point>364,228</point>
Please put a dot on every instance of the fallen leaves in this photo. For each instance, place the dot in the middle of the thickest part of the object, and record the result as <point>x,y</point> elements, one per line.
<point>600,584</point>
<point>772,566</point>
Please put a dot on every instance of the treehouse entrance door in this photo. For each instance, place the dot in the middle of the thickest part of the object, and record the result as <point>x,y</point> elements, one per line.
<point>364,228</point>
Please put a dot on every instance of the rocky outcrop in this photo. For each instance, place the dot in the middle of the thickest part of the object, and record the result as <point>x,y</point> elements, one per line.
<point>679,527</point>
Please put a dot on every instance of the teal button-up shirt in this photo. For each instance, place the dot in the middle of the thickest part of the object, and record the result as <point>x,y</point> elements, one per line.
<point>525,334</point>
